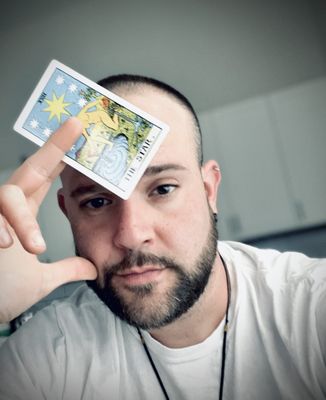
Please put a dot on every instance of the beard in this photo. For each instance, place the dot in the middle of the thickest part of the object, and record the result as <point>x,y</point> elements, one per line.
<point>146,308</point>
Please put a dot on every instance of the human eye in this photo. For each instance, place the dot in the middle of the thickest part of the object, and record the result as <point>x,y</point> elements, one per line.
<point>163,190</point>
<point>96,203</point>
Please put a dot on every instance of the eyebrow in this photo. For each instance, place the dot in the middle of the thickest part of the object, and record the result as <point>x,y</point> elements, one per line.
<point>82,189</point>
<point>150,171</point>
<point>157,169</point>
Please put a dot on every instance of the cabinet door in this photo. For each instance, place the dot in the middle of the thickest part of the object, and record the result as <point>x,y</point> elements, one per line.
<point>300,115</point>
<point>249,155</point>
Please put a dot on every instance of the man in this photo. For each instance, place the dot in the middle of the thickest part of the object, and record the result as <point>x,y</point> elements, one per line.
<point>170,314</point>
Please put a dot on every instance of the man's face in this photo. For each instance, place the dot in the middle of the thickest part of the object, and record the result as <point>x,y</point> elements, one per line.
<point>153,252</point>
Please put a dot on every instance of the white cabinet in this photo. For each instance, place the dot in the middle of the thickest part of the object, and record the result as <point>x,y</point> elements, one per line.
<point>272,155</point>
<point>245,145</point>
<point>300,114</point>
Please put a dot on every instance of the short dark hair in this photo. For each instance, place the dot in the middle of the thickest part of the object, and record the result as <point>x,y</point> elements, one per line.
<point>129,81</point>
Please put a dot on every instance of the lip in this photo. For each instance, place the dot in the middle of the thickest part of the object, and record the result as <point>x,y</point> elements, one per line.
<point>139,275</point>
<point>139,270</point>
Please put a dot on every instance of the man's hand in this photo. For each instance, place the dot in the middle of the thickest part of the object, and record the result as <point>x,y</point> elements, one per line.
<point>23,279</point>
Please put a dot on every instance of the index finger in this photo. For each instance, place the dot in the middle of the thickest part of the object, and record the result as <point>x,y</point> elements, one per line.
<point>39,167</point>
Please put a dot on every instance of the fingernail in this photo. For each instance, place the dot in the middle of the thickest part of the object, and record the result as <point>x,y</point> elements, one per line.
<point>38,240</point>
<point>5,238</point>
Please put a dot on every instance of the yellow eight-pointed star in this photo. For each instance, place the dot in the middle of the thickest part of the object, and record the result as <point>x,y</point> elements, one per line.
<point>57,107</point>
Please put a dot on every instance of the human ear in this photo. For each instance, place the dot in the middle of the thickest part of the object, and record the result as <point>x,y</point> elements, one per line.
<point>211,175</point>
<point>61,201</point>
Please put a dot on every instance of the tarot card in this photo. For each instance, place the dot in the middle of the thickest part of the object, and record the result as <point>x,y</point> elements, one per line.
<point>118,139</point>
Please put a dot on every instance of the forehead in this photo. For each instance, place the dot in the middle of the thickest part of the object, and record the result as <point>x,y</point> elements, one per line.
<point>179,145</point>
<point>180,140</point>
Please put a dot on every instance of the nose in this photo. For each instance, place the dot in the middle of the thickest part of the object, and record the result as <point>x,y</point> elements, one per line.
<point>134,225</point>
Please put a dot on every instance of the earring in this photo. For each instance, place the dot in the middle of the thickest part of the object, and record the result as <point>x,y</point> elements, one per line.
<point>215,217</point>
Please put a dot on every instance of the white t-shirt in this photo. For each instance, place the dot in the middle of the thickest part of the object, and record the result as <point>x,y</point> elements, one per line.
<point>276,344</point>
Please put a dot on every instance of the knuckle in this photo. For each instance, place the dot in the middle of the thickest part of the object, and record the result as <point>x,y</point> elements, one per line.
<point>30,224</point>
<point>8,191</point>
<point>40,170</point>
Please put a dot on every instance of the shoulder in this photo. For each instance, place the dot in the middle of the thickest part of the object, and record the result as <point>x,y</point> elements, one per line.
<point>64,338</point>
<point>275,267</point>
<point>82,312</point>
<point>288,288</point>
<point>60,323</point>
<point>61,329</point>
<point>289,285</point>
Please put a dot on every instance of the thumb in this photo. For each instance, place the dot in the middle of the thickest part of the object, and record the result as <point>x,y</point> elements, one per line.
<point>64,271</point>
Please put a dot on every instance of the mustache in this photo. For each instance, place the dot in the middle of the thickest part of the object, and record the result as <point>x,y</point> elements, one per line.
<point>140,259</point>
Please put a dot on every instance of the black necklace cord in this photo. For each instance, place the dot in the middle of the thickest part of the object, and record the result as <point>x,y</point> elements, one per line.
<point>152,364</point>
<point>226,328</point>
<point>225,332</point>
